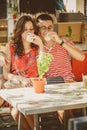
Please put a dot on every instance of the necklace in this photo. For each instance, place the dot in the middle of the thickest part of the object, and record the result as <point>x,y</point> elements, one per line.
<point>22,72</point>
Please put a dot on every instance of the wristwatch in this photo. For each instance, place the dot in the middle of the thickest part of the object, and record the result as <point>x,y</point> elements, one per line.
<point>62,42</point>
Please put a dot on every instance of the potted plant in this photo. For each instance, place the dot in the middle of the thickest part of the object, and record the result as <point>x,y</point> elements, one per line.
<point>69,34</point>
<point>43,63</point>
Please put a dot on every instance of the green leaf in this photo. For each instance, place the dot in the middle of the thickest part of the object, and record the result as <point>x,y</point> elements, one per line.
<point>43,63</point>
<point>69,32</point>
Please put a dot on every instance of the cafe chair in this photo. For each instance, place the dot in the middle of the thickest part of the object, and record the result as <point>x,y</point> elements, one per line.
<point>79,123</point>
<point>50,121</point>
<point>79,67</point>
<point>6,120</point>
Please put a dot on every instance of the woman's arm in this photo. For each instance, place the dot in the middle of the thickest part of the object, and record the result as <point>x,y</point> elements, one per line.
<point>9,76</point>
<point>7,66</point>
<point>2,58</point>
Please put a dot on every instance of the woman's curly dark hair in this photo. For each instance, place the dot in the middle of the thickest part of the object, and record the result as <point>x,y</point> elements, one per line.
<point>18,30</point>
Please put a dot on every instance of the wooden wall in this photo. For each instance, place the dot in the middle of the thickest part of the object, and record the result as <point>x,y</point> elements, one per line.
<point>35,6</point>
<point>3,9</point>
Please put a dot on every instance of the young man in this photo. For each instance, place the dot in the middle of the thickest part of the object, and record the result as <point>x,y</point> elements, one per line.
<point>61,49</point>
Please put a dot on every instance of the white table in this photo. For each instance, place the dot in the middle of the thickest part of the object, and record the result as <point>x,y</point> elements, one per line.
<point>56,97</point>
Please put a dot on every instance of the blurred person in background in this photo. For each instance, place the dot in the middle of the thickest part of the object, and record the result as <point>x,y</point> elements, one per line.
<point>60,6</point>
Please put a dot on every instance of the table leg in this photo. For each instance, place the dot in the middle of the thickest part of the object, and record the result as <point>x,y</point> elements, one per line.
<point>65,120</point>
<point>19,121</point>
<point>35,121</point>
<point>84,111</point>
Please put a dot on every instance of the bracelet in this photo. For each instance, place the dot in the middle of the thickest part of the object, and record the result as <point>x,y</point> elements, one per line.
<point>62,43</point>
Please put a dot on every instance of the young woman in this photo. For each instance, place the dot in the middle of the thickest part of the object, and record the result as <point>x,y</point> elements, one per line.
<point>21,59</point>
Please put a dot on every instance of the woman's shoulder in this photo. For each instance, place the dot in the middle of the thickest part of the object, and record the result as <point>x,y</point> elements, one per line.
<point>9,44</point>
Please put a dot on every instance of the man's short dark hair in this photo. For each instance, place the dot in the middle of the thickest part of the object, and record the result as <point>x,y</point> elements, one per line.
<point>44,17</point>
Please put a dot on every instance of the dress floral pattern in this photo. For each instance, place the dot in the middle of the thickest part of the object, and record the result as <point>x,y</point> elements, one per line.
<point>25,65</point>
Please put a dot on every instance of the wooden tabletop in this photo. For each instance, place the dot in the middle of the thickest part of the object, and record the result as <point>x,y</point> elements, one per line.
<point>62,96</point>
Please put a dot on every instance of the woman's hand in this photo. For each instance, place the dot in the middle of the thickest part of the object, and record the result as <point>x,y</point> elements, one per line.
<point>20,80</point>
<point>37,40</point>
<point>25,82</point>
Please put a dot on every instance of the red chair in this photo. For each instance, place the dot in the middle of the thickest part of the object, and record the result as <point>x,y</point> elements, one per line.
<point>79,68</point>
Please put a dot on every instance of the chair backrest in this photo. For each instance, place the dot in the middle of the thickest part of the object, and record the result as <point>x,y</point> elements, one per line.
<point>79,68</point>
<point>79,123</point>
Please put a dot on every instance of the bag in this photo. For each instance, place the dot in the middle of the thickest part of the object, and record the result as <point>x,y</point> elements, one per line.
<point>55,80</point>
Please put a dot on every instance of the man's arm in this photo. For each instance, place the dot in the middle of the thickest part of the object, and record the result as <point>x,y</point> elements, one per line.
<point>74,51</point>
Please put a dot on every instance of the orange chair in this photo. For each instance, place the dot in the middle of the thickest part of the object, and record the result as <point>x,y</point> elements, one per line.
<point>79,68</point>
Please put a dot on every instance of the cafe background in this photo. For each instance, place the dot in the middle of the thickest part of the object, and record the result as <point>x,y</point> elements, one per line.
<point>75,17</point>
